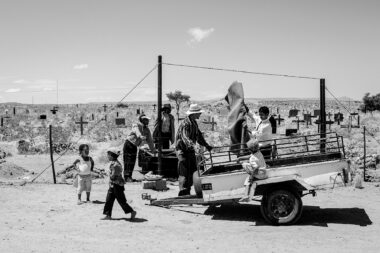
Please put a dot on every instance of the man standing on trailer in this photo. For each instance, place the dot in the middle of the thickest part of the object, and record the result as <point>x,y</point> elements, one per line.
<point>168,132</point>
<point>263,131</point>
<point>187,136</point>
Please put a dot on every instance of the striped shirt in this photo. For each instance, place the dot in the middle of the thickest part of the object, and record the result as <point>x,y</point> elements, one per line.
<point>188,134</point>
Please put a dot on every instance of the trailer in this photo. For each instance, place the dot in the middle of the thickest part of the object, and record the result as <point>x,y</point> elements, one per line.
<point>292,168</point>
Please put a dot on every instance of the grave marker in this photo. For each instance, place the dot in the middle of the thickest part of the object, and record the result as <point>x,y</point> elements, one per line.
<point>81,122</point>
<point>293,113</point>
<point>120,121</point>
<point>212,123</point>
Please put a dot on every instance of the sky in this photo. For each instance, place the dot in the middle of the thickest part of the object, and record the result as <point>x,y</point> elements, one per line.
<point>97,50</point>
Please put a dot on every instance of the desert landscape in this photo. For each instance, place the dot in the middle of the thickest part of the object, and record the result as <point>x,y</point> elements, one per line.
<point>38,212</point>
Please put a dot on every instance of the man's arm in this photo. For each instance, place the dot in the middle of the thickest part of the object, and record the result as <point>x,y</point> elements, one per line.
<point>201,140</point>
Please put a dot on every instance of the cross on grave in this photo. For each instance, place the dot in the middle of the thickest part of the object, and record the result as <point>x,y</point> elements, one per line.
<point>154,107</point>
<point>293,113</point>
<point>105,107</point>
<point>212,123</point>
<point>117,114</point>
<point>55,109</point>
<point>14,110</point>
<point>298,122</point>
<point>328,122</point>
<point>81,122</point>
<point>279,119</point>
<point>105,118</point>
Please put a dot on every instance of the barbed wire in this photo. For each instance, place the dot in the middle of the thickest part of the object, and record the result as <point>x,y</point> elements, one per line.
<point>99,121</point>
<point>240,71</point>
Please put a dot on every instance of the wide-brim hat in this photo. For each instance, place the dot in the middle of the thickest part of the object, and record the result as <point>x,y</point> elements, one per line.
<point>193,109</point>
<point>143,117</point>
<point>167,106</point>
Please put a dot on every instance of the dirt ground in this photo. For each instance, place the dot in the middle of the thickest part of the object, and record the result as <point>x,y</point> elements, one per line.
<point>43,217</point>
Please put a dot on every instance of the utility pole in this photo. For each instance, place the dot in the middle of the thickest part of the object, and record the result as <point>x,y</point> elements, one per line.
<point>159,117</point>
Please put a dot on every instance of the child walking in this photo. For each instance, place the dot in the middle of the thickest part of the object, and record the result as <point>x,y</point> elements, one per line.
<point>256,168</point>
<point>116,187</point>
<point>84,165</point>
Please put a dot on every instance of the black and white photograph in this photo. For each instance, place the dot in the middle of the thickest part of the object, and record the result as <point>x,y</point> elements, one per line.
<point>189,126</point>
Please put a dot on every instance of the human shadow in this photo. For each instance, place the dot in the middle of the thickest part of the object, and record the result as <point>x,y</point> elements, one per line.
<point>98,202</point>
<point>135,220</point>
<point>311,216</point>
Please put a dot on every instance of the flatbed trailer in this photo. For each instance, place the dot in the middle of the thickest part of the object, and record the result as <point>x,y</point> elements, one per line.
<point>293,164</point>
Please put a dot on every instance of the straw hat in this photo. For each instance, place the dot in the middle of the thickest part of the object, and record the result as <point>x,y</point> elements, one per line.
<point>194,108</point>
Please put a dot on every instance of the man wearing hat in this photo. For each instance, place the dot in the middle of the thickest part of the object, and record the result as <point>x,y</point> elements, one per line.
<point>139,136</point>
<point>187,136</point>
<point>167,133</point>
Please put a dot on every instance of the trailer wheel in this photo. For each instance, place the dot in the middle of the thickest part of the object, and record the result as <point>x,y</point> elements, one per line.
<point>281,207</point>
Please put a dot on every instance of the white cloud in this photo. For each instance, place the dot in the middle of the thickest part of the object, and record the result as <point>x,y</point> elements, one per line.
<point>198,34</point>
<point>20,81</point>
<point>12,90</point>
<point>81,66</point>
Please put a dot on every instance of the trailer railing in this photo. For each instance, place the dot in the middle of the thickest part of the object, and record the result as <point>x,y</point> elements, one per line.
<point>294,149</point>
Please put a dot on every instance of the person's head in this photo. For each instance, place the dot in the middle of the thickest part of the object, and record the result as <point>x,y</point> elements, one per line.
<point>144,119</point>
<point>194,111</point>
<point>132,137</point>
<point>263,112</point>
<point>113,154</point>
<point>84,150</point>
<point>167,108</point>
<point>253,146</point>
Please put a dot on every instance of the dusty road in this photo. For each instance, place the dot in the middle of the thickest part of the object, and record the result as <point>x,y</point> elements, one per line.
<point>46,218</point>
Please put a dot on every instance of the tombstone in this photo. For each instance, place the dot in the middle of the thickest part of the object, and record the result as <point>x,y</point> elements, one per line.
<point>43,116</point>
<point>290,131</point>
<point>293,113</point>
<point>307,118</point>
<point>117,114</point>
<point>317,113</point>
<point>138,112</point>
<point>105,107</point>
<point>93,116</point>
<point>14,110</point>
<point>120,121</point>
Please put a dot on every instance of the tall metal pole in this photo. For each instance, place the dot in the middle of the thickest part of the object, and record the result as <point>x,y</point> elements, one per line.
<point>322,116</point>
<point>159,117</point>
<point>364,156</point>
<point>51,153</point>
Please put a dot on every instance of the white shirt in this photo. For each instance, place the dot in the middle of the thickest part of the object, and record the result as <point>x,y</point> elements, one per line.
<point>263,130</point>
<point>84,167</point>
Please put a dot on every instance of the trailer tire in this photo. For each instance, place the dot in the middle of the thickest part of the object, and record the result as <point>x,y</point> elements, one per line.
<point>281,207</point>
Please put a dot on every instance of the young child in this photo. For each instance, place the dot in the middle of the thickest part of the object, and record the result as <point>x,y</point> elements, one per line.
<point>116,187</point>
<point>84,165</point>
<point>256,168</point>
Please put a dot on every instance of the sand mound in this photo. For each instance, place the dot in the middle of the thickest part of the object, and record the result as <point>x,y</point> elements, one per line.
<point>11,170</point>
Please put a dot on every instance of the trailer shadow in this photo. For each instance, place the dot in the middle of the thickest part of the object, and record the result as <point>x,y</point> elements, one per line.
<point>311,216</point>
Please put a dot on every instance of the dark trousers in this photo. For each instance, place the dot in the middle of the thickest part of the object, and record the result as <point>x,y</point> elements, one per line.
<point>116,192</point>
<point>129,157</point>
<point>187,165</point>
<point>165,137</point>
